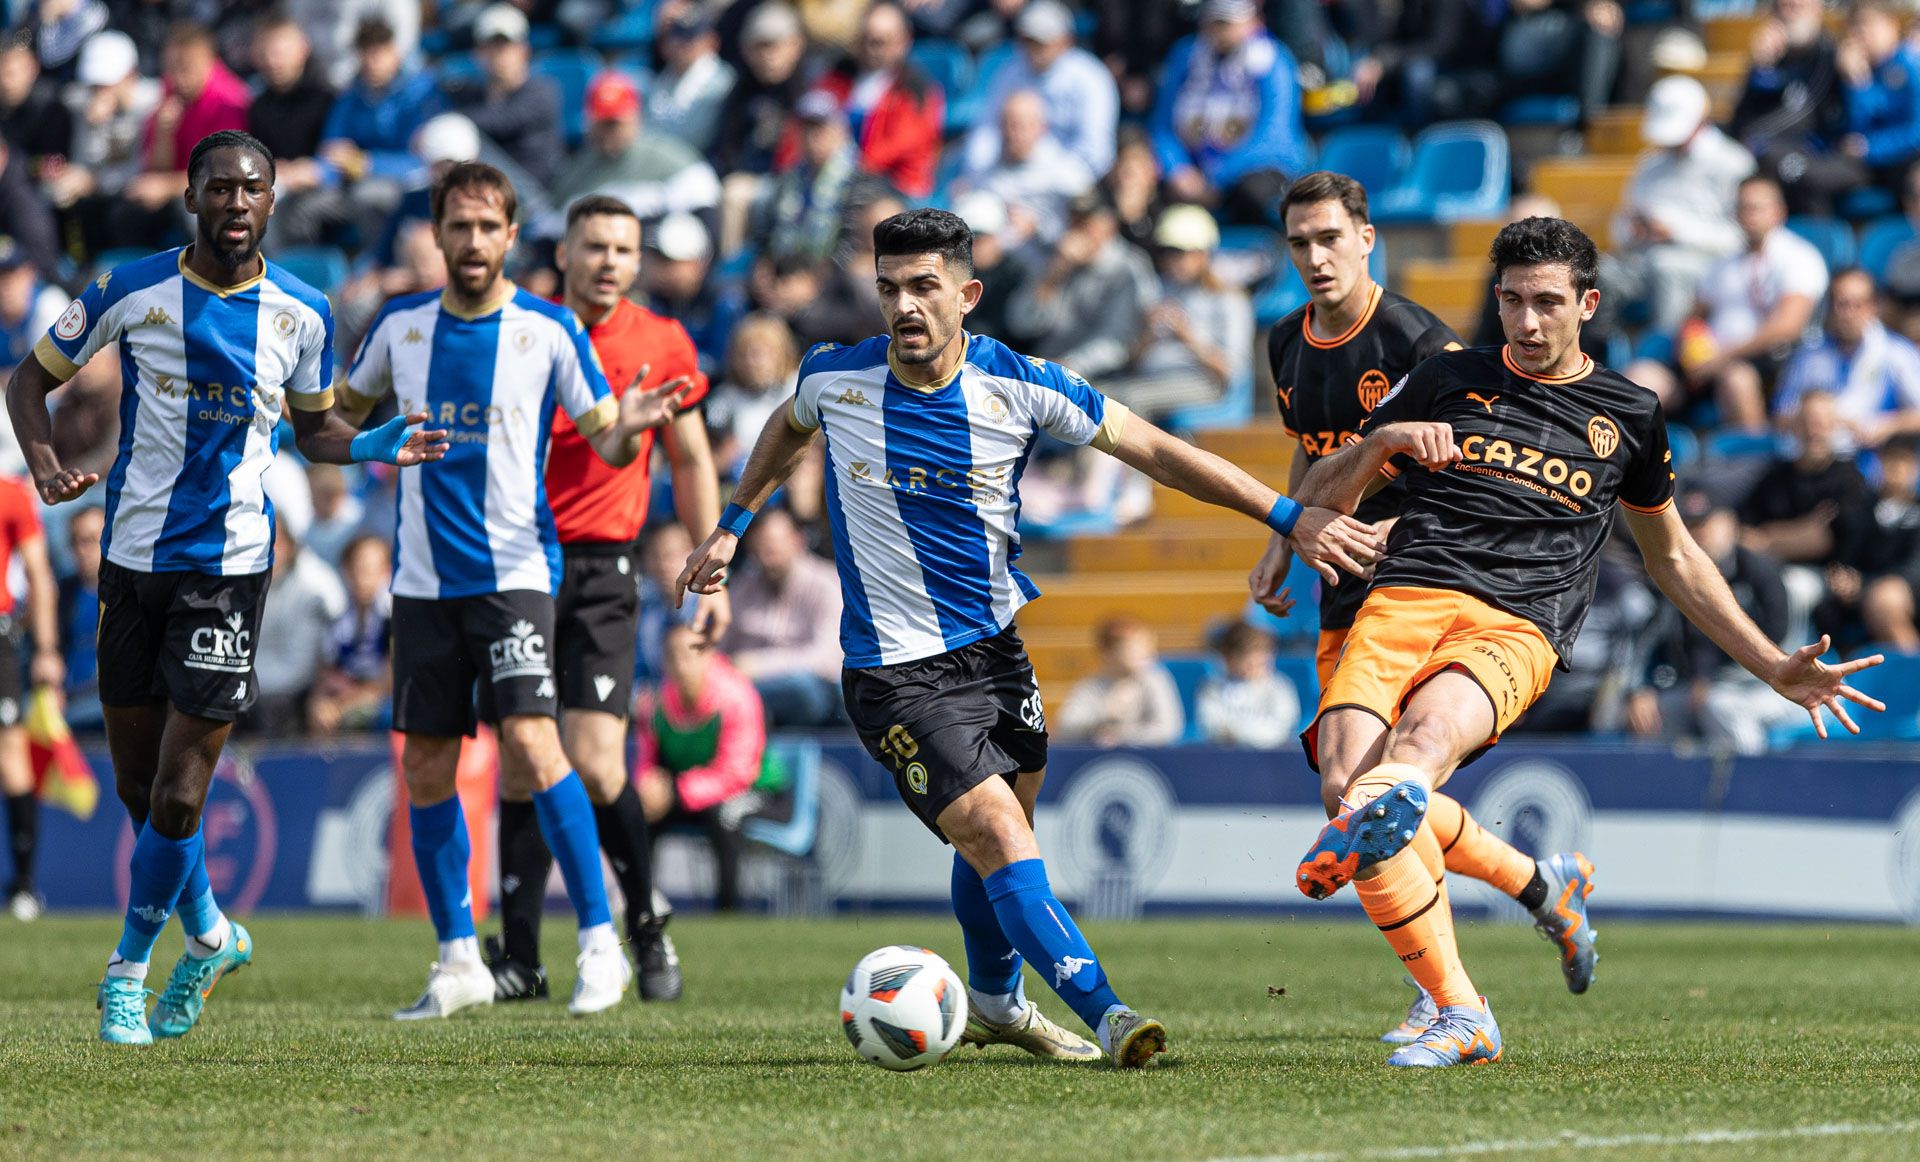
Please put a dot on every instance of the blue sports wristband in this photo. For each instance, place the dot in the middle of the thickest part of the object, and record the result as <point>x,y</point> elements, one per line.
<point>1283,516</point>
<point>736,519</point>
<point>382,443</point>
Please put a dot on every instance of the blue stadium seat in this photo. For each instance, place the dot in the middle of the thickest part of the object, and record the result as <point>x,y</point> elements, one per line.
<point>1377,156</point>
<point>794,837</point>
<point>630,30</point>
<point>1542,109</point>
<point>951,67</point>
<point>1830,236</point>
<point>119,256</point>
<point>572,69</point>
<point>1733,445</point>
<point>1460,170</point>
<point>1233,409</point>
<point>1880,240</point>
<point>1283,295</point>
<point>460,68</point>
<point>1685,445</point>
<point>1187,673</point>
<point>1305,676</point>
<point>1895,682</point>
<point>323,268</point>
<point>1867,202</point>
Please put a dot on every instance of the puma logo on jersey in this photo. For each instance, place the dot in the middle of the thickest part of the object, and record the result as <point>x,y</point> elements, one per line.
<point>1485,401</point>
<point>413,335</point>
<point>854,395</point>
<point>157,317</point>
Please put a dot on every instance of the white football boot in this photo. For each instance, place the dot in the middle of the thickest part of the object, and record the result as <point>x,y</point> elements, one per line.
<point>450,988</point>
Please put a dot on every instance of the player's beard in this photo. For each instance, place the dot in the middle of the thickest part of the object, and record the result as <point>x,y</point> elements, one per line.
<point>230,256</point>
<point>936,346</point>
<point>469,285</point>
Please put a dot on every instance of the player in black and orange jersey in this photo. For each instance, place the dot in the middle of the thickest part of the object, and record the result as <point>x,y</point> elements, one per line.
<point>598,511</point>
<point>1333,361</point>
<point>1514,459</point>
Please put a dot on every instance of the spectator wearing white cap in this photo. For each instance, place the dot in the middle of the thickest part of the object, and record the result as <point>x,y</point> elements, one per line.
<point>111,103</point>
<point>693,82</point>
<point>652,172</point>
<point>1034,174</point>
<point>1081,99</point>
<point>512,107</point>
<point>1676,216</point>
<point>1198,338</point>
<point>1003,267</point>
<point>1227,124</point>
<point>675,269</point>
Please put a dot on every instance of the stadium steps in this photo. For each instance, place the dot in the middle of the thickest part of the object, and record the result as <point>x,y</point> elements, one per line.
<point>1615,132</point>
<point>1470,241</point>
<point>1731,34</point>
<point>1453,288</point>
<point>1587,189</point>
<point>1164,543</point>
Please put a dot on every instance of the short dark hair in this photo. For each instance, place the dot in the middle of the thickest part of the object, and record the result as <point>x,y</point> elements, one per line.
<point>185,32</point>
<point>1906,443</point>
<point>1324,185</point>
<point>926,232</point>
<point>474,175</point>
<point>1547,242</point>
<point>595,205</point>
<point>274,19</point>
<point>373,32</point>
<point>1873,283</point>
<point>224,139</point>
<point>1240,637</point>
<point>1760,179</point>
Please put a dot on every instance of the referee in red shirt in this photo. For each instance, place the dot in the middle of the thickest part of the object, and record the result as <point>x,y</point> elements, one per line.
<point>598,511</point>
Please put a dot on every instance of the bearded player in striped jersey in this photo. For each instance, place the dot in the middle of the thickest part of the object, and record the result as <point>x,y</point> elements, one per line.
<point>927,430</point>
<point>1333,360</point>
<point>216,345</point>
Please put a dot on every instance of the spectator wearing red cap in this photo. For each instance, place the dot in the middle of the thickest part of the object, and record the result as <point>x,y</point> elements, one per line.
<point>652,172</point>
<point>895,111</point>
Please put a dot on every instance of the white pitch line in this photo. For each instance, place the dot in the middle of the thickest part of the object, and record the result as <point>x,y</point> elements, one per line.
<point>1585,1142</point>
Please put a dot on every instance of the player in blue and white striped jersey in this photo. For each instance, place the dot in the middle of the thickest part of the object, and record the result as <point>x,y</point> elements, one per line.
<point>478,563</point>
<point>927,430</point>
<point>216,347</point>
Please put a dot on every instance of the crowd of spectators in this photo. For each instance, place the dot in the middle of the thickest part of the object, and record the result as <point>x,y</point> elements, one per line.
<point>1099,152</point>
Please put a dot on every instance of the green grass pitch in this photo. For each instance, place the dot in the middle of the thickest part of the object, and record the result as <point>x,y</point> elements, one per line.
<point>1716,1041</point>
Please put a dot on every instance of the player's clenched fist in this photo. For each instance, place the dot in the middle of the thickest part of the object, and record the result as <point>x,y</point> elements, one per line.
<point>1331,541</point>
<point>1431,444</point>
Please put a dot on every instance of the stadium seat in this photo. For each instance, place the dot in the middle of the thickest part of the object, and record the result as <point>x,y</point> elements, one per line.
<point>1685,445</point>
<point>1895,682</point>
<point>572,69</point>
<point>1731,445</point>
<point>1377,156</point>
<point>794,836</point>
<point>1880,240</point>
<point>1867,202</point>
<point>631,30</point>
<point>120,256</point>
<point>323,268</point>
<point>1460,170</point>
<point>1542,109</point>
<point>1830,236</point>
<point>460,68</point>
<point>1305,676</point>
<point>951,67</point>
<point>1283,295</point>
<point>1233,409</point>
<point>1188,673</point>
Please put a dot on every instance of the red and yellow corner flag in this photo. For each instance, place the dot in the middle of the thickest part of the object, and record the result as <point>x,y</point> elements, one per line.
<point>60,771</point>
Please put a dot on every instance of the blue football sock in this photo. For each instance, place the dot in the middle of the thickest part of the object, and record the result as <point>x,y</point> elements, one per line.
<point>1040,928</point>
<point>566,821</point>
<point>199,913</point>
<point>993,965</point>
<point>160,867</point>
<point>441,850</point>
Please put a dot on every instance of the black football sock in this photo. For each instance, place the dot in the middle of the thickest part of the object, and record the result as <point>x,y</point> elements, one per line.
<point>628,842</point>
<point>525,864</point>
<point>23,833</point>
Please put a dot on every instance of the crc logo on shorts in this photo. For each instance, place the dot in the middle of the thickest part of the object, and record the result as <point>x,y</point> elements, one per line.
<point>1603,435</point>
<point>522,654</point>
<point>1373,388</point>
<point>1033,713</point>
<point>72,321</point>
<point>227,647</point>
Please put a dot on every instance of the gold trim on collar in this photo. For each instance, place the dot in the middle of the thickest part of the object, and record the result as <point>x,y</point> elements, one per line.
<point>214,289</point>
<point>966,344</point>
<point>486,309</point>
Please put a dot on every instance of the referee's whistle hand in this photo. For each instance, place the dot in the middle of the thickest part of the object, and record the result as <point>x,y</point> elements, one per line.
<point>66,485</point>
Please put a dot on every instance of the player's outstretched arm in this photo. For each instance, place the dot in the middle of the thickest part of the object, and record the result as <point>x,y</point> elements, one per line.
<point>1693,583</point>
<point>327,437</point>
<point>1341,481</point>
<point>775,455</point>
<point>1323,538</point>
<point>696,501</point>
<point>33,427</point>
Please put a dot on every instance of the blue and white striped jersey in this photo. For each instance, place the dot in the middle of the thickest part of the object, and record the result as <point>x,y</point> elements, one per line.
<point>206,374</point>
<point>478,522</point>
<point>923,487</point>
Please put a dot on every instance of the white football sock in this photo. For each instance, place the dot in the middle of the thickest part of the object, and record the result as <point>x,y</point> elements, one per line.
<point>209,943</point>
<point>1105,1046</point>
<point>999,1008</point>
<point>127,969</point>
<point>461,951</point>
<point>598,938</point>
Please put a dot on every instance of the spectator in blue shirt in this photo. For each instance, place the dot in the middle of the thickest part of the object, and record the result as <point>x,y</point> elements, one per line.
<point>1882,73</point>
<point>1082,102</point>
<point>1227,125</point>
<point>364,145</point>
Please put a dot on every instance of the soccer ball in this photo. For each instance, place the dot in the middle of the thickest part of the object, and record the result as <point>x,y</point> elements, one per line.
<point>902,1007</point>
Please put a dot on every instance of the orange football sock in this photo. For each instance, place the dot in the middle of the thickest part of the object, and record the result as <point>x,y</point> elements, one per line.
<point>1376,782</point>
<point>1472,850</point>
<point>1412,911</point>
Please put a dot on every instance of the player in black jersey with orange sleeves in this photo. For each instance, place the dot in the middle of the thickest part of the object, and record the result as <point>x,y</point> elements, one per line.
<point>1514,460</point>
<point>1333,361</point>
